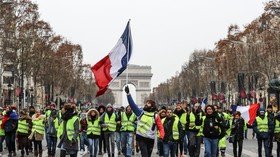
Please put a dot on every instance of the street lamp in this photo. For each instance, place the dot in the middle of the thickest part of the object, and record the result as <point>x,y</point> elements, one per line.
<point>9,93</point>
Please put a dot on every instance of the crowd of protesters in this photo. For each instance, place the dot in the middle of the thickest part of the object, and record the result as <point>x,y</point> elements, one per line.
<point>179,131</point>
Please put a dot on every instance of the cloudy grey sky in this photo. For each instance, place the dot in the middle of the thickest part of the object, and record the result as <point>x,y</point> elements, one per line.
<point>165,32</point>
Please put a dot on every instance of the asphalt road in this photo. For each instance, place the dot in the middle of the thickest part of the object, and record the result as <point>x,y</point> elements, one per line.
<point>250,149</point>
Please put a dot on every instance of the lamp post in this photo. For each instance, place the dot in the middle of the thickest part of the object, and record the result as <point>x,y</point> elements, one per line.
<point>9,93</point>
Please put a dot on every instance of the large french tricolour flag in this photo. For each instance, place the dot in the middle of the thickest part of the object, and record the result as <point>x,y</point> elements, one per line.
<point>112,65</point>
<point>248,113</point>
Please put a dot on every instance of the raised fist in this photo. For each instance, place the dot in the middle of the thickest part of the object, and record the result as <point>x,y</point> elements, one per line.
<point>126,89</point>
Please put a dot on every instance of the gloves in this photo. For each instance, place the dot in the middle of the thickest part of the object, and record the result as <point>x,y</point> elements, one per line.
<point>126,89</point>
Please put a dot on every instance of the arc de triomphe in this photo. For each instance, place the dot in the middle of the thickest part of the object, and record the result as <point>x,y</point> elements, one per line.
<point>140,77</point>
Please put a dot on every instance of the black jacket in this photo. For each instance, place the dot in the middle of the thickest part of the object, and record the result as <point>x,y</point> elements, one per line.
<point>168,131</point>
<point>237,129</point>
<point>212,126</point>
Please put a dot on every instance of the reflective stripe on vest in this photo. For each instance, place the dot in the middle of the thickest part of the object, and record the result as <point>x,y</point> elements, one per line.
<point>70,130</point>
<point>145,123</point>
<point>2,131</point>
<point>94,127</point>
<point>262,124</point>
<point>175,130</point>
<point>128,124</point>
<point>38,126</point>
<point>23,127</point>
<point>112,125</point>
<point>277,126</point>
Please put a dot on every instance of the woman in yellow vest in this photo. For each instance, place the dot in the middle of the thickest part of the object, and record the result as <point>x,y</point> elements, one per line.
<point>109,125</point>
<point>277,132</point>
<point>68,131</point>
<point>37,134</point>
<point>2,132</point>
<point>93,131</point>
<point>23,131</point>
<point>262,126</point>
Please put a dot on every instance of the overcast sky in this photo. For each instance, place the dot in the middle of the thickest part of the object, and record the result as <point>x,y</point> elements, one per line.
<point>165,32</point>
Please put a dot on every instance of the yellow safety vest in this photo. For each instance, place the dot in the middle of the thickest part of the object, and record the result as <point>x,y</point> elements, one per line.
<point>112,125</point>
<point>38,126</point>
<point>127,124</point>
<point>183,120</point>
<point>192,121</point>
<point>2,131</point>
<point>175,130</point>
<point>262,124</point>
<point>23,127</point>
<point>94,127</point>
<point>145,123</point>
<point>277,126</point>
<point>70,130</point>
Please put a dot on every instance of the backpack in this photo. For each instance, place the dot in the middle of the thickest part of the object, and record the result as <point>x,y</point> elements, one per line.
<point>9,126</point>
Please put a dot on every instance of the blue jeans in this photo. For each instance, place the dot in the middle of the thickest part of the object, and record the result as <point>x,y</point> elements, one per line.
<point>127,139</point>
<point>93,146</point>
<point>211,147</point>
<point>265,145</point>
<point>52,145</point>
<point>10,142</point>
<point>118,141</point>
<point>83,140</point>
<point>160,147</point>
<point>169,148</point>
<point>186,144</point>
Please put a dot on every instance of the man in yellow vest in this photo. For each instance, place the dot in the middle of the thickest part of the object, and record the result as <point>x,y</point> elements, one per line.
<point>192,131</point>
<point>53,124</point>
<point>148,121</point>
<point>277,132</point>
<point>263,126</point>
<point>173,133</point>
<point>68,131</point>
<point>2,132</point>
<point>128,126</point>
<point>108,122</point>
<point>23,131</point>
<point>182,115</point>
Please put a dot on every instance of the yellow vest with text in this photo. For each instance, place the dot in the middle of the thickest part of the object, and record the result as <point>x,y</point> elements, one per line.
<point>145,123</point>
<point>277,126</point>
<point>128,124</point>
<point>112,124</point>
<point>93,127</point>
<point>175,130</point>
<point>262,124</point>
<point>38,126</point>
<point>23,126</point>
<point>2,131</point>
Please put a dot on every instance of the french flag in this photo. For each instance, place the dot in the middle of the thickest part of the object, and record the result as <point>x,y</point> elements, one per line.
<point>112,65</point>
<point>248,113</point>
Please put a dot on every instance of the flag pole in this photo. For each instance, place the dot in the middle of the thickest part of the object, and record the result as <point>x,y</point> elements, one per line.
<point>128,48</point>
